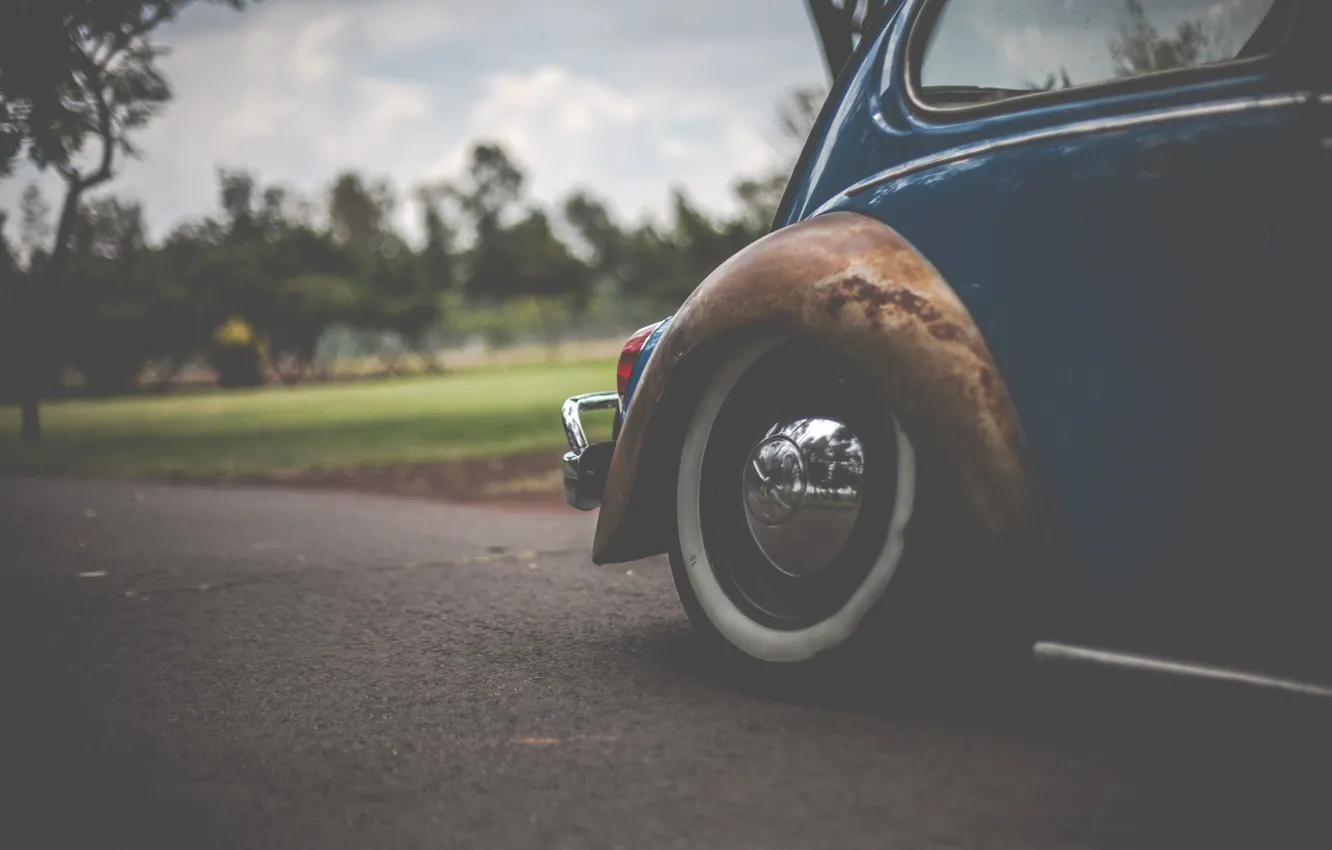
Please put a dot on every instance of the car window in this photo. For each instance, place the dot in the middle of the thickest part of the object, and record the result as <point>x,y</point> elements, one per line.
<point>983,50</point>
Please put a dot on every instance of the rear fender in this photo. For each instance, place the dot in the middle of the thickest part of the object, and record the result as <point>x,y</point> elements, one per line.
<point>854,285</point>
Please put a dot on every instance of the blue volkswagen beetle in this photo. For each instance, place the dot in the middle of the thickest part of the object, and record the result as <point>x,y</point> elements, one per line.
<point>1027,363</point>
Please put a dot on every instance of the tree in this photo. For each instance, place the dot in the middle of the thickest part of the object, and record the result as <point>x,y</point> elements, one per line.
<point>797,111</point>
<point>523,259</point>
<point>400,291</point>
<point>527,259</point>
<point>759,198</point>
<point>492,186</point>
<point>307,305</point>
<point>437,258</point>
<point>760,195</point>
<point>839,24</point>
<point>34,221</point>
<point>10,275</point>
<point>108,304</point>
<point>109,228</point>
<point>236,196</point>
<point>1052,81</point>
<point>307,282</point>
<point>360,212</point>
<point>415,314</point>
<point>73,73</point>
<point>605,241</point>
<point>265,265</point>
<point>8,264</point>
<point>537,271</point>
<point>1142,49</point>
<point>666,265</point>
<point>495,184</point>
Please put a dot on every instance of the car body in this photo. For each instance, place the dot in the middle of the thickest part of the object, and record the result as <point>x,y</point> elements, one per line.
<point>1092,301</point>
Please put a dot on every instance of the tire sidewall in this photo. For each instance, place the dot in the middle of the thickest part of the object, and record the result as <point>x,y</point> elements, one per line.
<point>707,603</point>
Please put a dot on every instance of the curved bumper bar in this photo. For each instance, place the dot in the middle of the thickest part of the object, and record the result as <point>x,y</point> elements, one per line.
<point>585,465</point>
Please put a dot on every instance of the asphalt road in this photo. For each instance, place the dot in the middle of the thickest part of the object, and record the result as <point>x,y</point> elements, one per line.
<point>191,667</point>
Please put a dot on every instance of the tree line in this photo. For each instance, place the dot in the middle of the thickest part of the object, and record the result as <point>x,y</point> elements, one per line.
<point>289,268</point>
<point>79,78</point>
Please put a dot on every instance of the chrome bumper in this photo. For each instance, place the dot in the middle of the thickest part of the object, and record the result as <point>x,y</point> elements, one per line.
<point>585,466</point>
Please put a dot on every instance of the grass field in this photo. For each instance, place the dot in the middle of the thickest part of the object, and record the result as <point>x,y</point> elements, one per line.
<point>485,411</point>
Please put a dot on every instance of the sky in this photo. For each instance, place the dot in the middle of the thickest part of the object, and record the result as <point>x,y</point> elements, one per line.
<point>626,99</point>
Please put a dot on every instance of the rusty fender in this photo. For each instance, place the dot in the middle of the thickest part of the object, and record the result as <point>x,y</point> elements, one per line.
<point>852,284</point>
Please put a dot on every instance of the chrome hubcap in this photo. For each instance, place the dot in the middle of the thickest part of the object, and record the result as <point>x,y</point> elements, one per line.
<point>802,492</point>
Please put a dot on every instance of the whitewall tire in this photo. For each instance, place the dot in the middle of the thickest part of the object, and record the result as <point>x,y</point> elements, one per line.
<point>700,575</point>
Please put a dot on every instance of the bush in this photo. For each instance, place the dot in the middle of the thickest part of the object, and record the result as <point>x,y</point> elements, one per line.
<point>238,356</point>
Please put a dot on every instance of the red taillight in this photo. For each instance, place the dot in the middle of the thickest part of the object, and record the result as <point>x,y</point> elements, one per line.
<point>629,356</point>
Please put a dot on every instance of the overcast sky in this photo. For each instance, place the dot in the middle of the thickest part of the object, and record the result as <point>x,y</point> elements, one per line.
<point>625,98</point>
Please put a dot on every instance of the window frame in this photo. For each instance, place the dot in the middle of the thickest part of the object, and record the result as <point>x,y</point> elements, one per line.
<point>921,26</point>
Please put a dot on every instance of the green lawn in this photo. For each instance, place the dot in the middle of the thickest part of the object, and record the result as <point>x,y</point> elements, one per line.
<point>487,411</point>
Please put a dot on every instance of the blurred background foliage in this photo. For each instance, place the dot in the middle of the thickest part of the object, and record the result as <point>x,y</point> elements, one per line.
<point>315,280</point>
<point>89,304</point>
<point>279,286</point>
<point>274,285</point>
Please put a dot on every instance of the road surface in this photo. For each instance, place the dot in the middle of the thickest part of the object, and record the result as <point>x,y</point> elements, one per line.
<point>192,667</point>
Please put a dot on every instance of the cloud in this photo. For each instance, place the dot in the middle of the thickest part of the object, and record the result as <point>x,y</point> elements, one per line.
<point>570,131</point>
<point>392,27</point>
<point>627,100</point>
<point>531,111</point>
<point>312,55</point>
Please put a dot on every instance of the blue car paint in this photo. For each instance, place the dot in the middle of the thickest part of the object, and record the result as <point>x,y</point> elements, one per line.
<point>1112,274</point>
<point>644,355</point>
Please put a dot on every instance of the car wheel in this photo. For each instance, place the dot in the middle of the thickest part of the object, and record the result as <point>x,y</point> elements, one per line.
<point>797,506</point>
